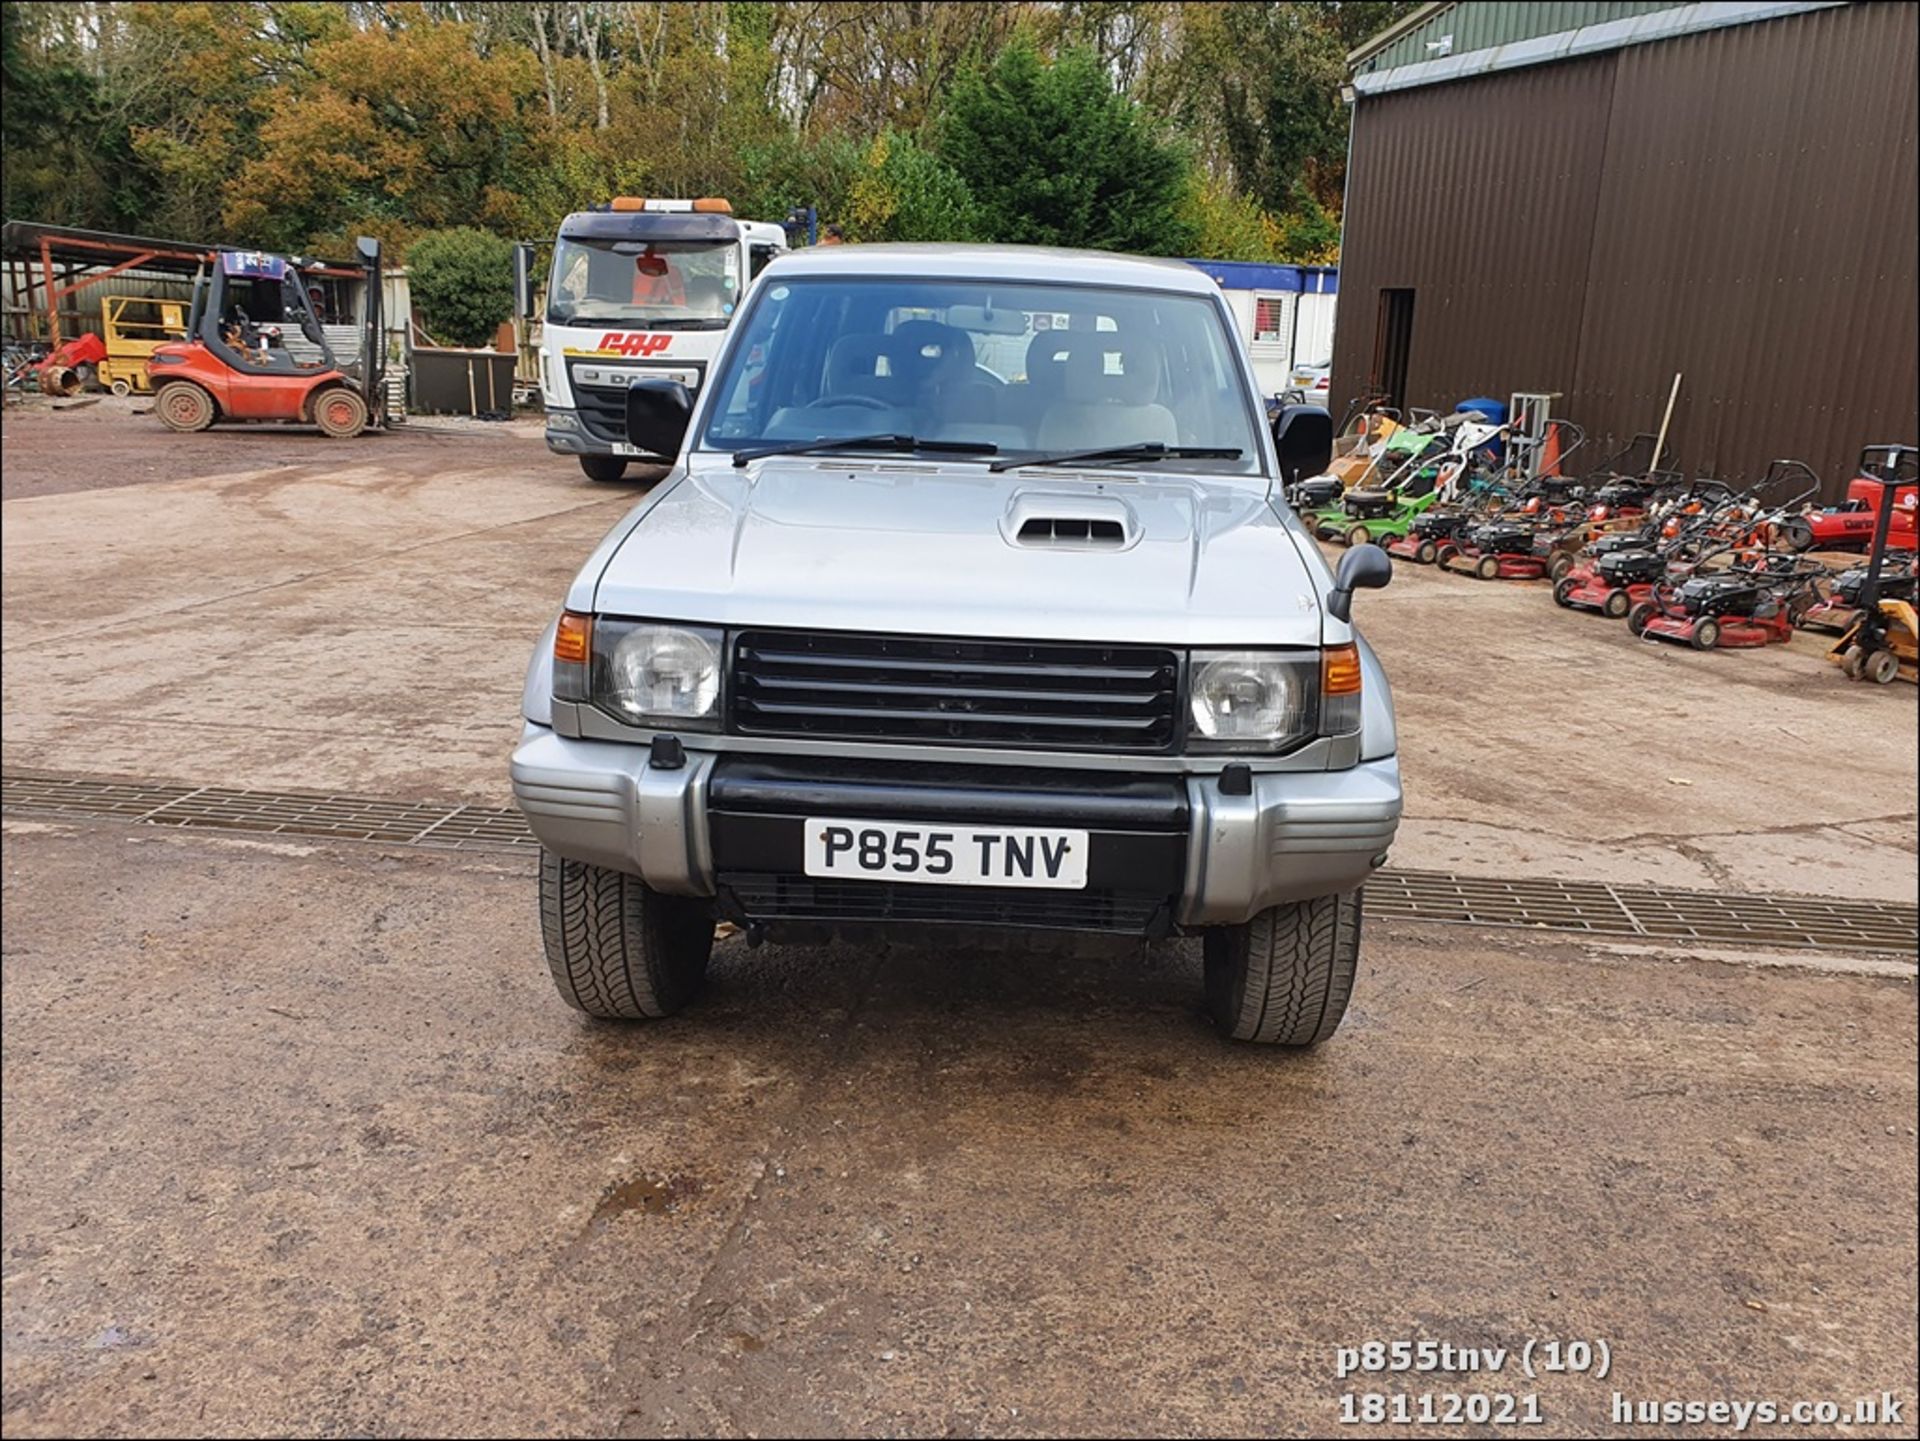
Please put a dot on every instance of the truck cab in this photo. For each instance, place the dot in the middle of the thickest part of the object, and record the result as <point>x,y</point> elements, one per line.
<point>641,289</point>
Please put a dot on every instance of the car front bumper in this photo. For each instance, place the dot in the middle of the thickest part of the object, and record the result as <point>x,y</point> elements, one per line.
<point>1217,857</point>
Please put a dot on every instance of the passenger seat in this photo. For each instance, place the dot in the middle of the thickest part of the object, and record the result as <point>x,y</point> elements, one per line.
<point>1100,410</point>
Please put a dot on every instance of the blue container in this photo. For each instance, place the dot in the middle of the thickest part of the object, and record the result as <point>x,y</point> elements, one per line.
<point>1494,410</point>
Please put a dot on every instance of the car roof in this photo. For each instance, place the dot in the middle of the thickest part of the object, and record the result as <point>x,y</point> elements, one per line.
<point>994,262</point>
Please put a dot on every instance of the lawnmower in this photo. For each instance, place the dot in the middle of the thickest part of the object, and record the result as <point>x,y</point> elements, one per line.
<point>1538,542</point>
<point>1381,439</point>
<point>1839,606</point>
<point>1423,481</point>
<point>1851,524</point>
<point>1753,603</point>
<point>1884,642</point>
<point>234,364</point>
<point>1619,570</point>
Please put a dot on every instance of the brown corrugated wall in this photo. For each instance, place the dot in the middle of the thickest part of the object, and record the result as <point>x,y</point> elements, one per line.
<point>1741,205</point>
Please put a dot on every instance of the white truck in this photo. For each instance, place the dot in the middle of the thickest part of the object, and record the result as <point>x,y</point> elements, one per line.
<point>640,289</point>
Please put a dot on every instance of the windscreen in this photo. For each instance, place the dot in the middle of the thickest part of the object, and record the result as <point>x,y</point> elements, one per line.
<point>1027,368</point>
<point>650,284</point>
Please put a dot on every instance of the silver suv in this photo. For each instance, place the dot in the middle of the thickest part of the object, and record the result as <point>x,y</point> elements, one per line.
<point>971,601</point>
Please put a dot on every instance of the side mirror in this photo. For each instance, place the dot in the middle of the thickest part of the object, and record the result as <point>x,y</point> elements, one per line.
<point>523,281</point>
<point>1365,567</point>
<point>657,416</point>
<point>1303,435</point>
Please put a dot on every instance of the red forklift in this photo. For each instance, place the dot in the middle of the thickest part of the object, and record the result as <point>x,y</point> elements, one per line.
<point>236,364</point>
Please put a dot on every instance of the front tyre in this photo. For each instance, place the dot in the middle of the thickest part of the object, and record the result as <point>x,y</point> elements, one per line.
<point>1284,977</point>
<point>340,413</point>
<point>617,949</point>
<point>183,406</point>
<point>604,468</point>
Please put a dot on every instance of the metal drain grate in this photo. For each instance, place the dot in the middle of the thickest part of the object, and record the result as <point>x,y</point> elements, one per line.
<point>1647,912</point>
<point>1652,912</point>
<point>353,818</point>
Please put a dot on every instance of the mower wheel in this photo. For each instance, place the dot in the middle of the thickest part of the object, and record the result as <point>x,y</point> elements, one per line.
<point>1427,553</point>
<point>1880,666</point>
<point>1359,536</point>
<point>1559,567</point>
<point>1563,593</point>
<point>183,406</point>
<point>121,388</point>
<point>340,412</point>
<point>1617,604</point>
<point>1444,553</point>
<point>1706,633</point>
<point>1488,567</point>
<point>1853,661</point>
<point>1638,617</point>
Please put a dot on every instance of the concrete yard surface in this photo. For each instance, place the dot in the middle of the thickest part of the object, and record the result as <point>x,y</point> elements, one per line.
<point>298,1139</point>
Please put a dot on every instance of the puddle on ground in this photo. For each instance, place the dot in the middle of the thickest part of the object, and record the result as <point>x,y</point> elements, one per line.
<point>648,1195</point>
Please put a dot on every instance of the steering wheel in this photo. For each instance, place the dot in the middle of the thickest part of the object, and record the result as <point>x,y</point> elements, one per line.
<point>863,402</point>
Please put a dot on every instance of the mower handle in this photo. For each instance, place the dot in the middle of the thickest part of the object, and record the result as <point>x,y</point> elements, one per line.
<point>1779,471</point>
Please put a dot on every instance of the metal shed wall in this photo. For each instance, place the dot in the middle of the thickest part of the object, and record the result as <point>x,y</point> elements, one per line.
<point>1742,205</point>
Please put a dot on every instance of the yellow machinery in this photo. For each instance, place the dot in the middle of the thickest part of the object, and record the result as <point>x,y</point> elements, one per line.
<point>1884,643</point>
<point>133,327</point>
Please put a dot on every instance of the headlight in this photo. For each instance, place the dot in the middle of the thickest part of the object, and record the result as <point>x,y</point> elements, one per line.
<point>646,673</point>
<point>1246,700</point>
<point>562,420</point>
<point>1250,700</point>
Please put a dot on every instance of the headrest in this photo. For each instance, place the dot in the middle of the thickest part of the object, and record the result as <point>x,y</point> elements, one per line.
<point>1047,359</point>
<point>926,348</point>
<point>1091,373</point>
<point>855,358</point>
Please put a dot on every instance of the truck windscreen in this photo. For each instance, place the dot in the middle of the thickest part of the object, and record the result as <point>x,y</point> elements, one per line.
<point>648,284</point>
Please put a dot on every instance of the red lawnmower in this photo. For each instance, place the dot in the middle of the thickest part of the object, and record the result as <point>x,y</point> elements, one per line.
<point>1539,542</point>
<point>1839,606</point>
<point>1618,571</point>
<point>1752,603</point>
<point>1850,525</point>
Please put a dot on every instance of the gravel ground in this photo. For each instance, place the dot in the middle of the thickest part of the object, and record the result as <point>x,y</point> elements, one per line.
<point>298,1139</point>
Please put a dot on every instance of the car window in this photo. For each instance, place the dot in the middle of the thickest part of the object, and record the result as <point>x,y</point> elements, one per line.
<point>1025,367</point>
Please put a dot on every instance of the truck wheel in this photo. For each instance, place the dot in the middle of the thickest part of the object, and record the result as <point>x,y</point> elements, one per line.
<point>340,413</point>
<point>603,468</point>
<point>183,406</point>
<point>617,949</point>
<point>1284,977</point>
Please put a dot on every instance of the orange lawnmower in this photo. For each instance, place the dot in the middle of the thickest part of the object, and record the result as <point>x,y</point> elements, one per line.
<point>234,364</point>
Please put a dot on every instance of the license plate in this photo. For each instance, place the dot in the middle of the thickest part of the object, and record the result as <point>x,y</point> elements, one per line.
<point>620,447</point>
<point>941,855</point>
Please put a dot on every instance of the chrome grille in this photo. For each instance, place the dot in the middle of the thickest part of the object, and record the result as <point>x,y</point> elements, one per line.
<point>980,692</point>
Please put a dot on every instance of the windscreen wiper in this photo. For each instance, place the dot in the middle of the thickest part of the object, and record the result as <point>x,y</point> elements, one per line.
<point>744,458</point>
<point>1120,454</point>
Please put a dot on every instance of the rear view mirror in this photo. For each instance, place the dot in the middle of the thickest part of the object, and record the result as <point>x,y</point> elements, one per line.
<point>1303,435</point>
<point>1365,567</point>
<point>523,281</point>
<point>657,416</point>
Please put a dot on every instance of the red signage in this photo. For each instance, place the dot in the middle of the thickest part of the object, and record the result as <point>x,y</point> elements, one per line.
<point>630,342</point>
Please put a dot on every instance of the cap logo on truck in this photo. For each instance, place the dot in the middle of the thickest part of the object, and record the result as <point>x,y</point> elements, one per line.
<point>634,343</point>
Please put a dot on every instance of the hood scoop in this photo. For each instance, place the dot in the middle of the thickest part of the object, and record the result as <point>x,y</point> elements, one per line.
<point>1040,520</point>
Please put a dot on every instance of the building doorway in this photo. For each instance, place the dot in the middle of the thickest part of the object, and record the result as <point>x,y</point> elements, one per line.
<point>1392,344</point>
